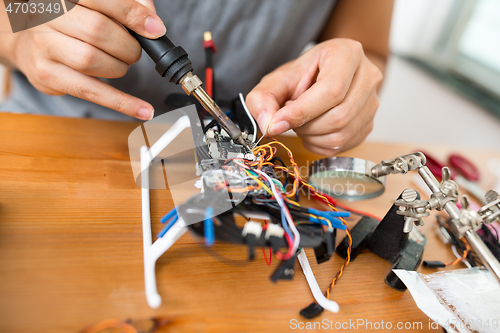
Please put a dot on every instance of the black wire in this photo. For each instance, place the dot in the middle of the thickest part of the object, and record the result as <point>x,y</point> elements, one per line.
<point>491,240</point>
<point>497,245</point>
<point>277,158</point>
<point>239,212</point>
<point>458,243</point>
<point>210,125</point>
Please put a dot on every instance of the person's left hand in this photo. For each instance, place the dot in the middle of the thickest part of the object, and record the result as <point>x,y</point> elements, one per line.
<point>328,96</point>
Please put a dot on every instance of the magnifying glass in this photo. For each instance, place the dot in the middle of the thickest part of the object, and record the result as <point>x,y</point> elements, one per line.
<point>346,178</point>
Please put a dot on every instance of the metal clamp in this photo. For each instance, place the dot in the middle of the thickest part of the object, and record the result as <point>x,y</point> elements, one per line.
<point>491,211</point>
<point>412,209</point>
<point>402,165</point>
<point>445,195</point>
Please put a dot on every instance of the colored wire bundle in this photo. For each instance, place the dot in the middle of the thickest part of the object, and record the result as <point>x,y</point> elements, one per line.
<point>258,179</point>
<point>266,154</point>
<point>462,258</point>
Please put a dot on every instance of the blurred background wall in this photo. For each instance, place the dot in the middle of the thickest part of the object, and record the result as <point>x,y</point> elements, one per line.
<point>442,84</point>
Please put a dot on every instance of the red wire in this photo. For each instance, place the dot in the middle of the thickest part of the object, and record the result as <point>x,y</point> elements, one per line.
<point>289,254</point>
<point>209,81</point>
<point>270,250</point>
<point>265,257</point>
<point>358,212</point>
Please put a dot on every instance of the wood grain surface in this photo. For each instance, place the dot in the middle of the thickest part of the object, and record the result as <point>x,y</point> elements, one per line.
<point>71,243</point>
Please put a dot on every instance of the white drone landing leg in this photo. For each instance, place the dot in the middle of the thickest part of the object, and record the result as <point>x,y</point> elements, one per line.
<point>153,251</point>
<point>324,302</point>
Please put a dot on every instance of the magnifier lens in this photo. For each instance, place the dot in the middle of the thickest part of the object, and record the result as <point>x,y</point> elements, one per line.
<point>346,178</point>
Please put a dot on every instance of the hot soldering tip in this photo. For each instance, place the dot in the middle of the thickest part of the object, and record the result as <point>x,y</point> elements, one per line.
<point>244,143</point>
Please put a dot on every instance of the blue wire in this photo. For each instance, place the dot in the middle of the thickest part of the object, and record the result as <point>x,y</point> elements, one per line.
<point>285,225</point>
<point>328,214</point>
<point>336,223</point>
<point>285,184</point>
<point>331,216</point>
<point>338,214</point>
<point>209,227</point>
<point>169,215</point>
<point>169,225</point>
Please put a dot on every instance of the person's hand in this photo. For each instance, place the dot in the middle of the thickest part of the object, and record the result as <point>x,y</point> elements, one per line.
<point>328,96</point>
<point>64,56</point>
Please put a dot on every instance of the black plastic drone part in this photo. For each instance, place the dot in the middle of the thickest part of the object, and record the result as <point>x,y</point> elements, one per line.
<point>313,310</point>
<point>387,240</point>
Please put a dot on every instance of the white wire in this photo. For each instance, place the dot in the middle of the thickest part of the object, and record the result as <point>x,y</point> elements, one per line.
<point>251,118</point>
<point>280,201</point>
<point>324,302</point>
<point>455,252</point>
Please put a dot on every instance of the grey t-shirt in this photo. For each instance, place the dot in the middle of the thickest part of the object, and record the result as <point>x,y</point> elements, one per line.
<point>253,37</point>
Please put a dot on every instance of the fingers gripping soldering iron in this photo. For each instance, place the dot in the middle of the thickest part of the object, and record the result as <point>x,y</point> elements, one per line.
<point>172,62</point>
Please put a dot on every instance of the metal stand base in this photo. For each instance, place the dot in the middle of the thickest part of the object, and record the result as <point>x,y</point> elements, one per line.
<point>387,240</point>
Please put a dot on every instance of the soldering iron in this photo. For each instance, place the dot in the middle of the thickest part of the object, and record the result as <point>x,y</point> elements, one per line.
<point>172,62</point>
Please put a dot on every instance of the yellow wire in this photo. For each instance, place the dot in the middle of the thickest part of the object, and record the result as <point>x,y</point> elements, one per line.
<point>290,155</point>
<point>348,259</point>
<point>259,182</point>
<point>265,158</point>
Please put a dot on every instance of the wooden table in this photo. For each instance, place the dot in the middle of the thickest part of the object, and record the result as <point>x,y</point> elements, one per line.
<point>71,243</point>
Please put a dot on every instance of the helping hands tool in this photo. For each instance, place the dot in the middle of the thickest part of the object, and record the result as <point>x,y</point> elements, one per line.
<point>172,62</point>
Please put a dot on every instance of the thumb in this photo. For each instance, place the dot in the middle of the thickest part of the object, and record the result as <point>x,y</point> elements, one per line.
<point>266,98</point>
<point>148,3</point>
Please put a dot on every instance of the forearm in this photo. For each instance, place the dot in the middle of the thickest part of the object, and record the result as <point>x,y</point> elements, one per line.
<point>366,21</point>
<point>7,39</point>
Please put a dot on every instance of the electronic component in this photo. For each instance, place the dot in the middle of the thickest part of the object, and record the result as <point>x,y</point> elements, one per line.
<point>251,231</point>
<point>433,264</point>
<point>209,165</point>
<point>221,147</point>
<point>313,310</point>
<point>285,270</point>
<point>324,251</point>
<point>274,235</point>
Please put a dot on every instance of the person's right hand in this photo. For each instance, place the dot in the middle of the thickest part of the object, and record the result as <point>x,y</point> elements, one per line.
<point>65,55</point>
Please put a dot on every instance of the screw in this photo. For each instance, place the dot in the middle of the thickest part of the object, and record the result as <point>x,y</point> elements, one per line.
<point>492,196</point>
<point>409,195</point>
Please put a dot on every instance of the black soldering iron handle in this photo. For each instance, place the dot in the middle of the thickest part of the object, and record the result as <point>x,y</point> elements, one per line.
<point>171,61</point>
